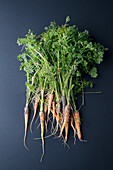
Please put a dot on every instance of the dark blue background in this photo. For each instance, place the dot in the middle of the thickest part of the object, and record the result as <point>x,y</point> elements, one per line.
<point>16,17</point>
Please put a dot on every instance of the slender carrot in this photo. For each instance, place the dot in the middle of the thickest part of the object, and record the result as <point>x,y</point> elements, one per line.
<point>58,118</point>
<point>66,131</point>
<point>63,103</point>
<point>45,106</point>
<point>42,119</point>
<point>50,99</point>
<point>63,99</point>
<point>54,114</point>
<point>35,110</point>
<point>66,120</point>
<point>26,117</point>
<point>77,124</point>
<point>45,112</point>
<point>72,118</point>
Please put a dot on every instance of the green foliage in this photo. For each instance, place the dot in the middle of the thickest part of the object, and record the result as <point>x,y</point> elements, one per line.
<point>62,54</point>
<point>93,72</point>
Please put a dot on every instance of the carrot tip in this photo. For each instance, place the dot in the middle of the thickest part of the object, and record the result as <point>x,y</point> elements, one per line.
<point>65,144</point>
<point>42,149</point>
<point>31,128</point>
<point>41,159</point>
<point>83,140</point>
<point>25,146</point>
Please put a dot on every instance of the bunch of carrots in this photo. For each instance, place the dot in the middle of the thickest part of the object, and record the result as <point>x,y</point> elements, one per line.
<point>55,63</point>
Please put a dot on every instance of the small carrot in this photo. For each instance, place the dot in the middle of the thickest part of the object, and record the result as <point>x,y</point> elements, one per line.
<point>45,106</point>
<point>50,99</point>
<point>26,117</point>
<point>72,118</point>
<point>77,124</point>
<point>54,114</point>
<point>63,99</point>
<point>35,110</point>
<point>66,121</point>
<point>58,118</point>
<point>45,112</point>
<point>42,119</point>
<point>66,131</point>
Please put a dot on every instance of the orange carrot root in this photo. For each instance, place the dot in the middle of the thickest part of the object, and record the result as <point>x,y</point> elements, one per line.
<point>45,112</point>
<point>66,131</point>
<point>66,118</point>
<point>26,117</point>
<point>58,118</point>
<point>35,110</point>
<point>77,124</point>
<point>50,99</point>
<point>54,114</point>
<point>72,118</point>
<point>42,119</point>
<point>66,135</point>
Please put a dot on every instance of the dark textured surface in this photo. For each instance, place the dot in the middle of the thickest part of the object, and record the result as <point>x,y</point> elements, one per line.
<point>16,17</point>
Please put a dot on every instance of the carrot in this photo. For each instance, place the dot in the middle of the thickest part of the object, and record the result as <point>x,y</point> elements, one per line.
<point>72,118</point>
<point>66,130</point>
<point>58,118</point>
<point>26,117</point>
<point>66,121</point>
<point>77,124</point>
<point>42,119</point>
<point>45,112</point>
<point>63,102</point>
<point>50,99</point>
<point>35,110</point>
<point>45,106</point>
<point>54,114</point>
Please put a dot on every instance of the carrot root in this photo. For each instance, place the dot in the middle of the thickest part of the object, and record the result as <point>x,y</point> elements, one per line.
<point>66,118</point>
<point>26,116</point>
<point>35,110</point>
<point>45,112</point>
<point>25,142</point>
<point>73,128</point>
<point>50,99</point>
<point>66,131</point>
<point>42,117</point>
<point>42,147</point>
<point>77,124</point>
<point>32,121</point>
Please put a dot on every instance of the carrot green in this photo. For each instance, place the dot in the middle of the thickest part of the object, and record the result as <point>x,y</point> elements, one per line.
<point>57,61</point>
